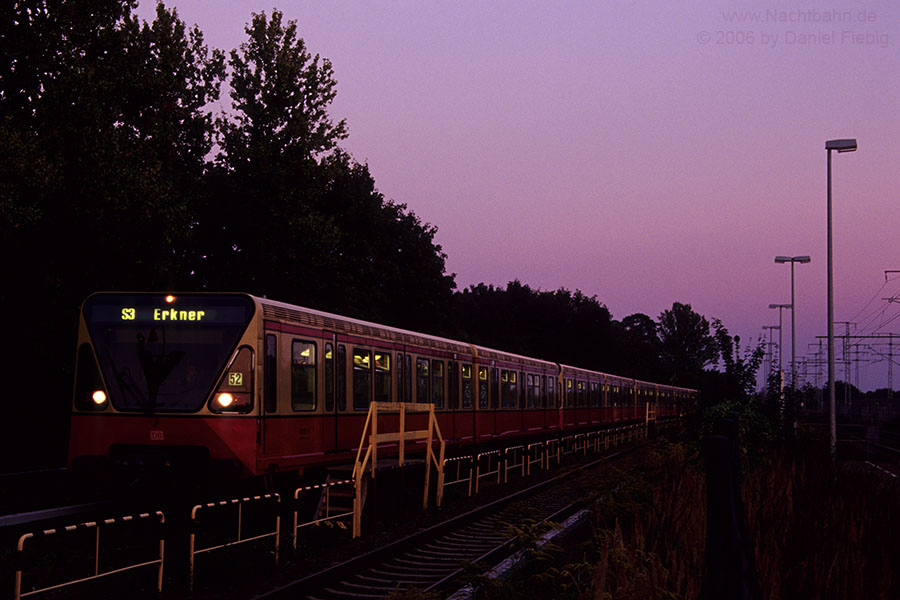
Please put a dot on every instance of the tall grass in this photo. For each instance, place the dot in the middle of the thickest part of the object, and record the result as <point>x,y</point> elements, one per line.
<point>820,531</point>
<point>649,535</point>
<point>823,530</point>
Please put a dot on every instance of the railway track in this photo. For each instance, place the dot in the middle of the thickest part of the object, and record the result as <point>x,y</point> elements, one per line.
<point>858,443</point>
<point>434,558</point>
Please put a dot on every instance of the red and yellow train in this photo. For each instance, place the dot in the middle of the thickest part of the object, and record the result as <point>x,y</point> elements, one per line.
<point>256,386</point>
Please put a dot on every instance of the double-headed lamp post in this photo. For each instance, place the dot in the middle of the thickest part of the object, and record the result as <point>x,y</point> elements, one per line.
<point>844,145</point>
<point>792,260</point>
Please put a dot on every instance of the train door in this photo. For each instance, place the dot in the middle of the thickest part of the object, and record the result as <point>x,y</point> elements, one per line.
<point>465,427</point>
<point>329,396</point>
<point>269,407</point>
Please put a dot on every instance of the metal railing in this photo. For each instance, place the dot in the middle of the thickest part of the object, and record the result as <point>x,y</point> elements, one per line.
<point>459,462</point>
<point>97,573</point>
<point>553,451</point>
<point>324,490</point>
<point>492,460</point>
<point>513,458</point>
<point>534,455</point>
<point>239,538</point>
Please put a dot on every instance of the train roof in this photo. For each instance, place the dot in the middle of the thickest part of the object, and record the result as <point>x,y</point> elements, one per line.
<point>272,309</point>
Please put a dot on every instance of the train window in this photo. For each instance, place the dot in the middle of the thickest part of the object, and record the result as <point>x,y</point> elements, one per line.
<point>569,400</point>
<point>495,388</point>
<point>595,394</point>
<point>437,383</point>
<point>270,366</point>
<point>467,386</point>
<point>341,377</point>
<point>482,387</point>
<point>382,376</point>
<point>399,377</point>
<point>534,391</point>
<point>422,380</point>
<point>551,392</point>
<point>407,379</point>
<point>512,390</point>
<point>521,390</point>
<point>453,385</point>
<point>580,394</point>
<point>543,391</point>
<point>303,375</point>
<point>504,388</point>
<point>362,378</point>
<point>329,376</point>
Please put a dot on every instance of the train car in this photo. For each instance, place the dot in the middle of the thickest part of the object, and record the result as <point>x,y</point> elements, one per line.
<point>239,384</point>
<point>517,394</point>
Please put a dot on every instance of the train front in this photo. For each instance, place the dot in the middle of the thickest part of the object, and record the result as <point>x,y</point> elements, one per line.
<point>165,383</point>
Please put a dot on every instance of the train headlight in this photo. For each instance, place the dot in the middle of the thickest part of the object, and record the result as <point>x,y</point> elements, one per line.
<point>99,397</point>
<point>225,400</point>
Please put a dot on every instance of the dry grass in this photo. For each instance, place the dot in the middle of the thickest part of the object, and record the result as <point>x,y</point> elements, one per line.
<point>819,532</point>
<point>654,548</point>
<point>823,531</point>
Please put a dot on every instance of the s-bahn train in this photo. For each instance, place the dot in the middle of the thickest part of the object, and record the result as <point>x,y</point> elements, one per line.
<point>252,386</point>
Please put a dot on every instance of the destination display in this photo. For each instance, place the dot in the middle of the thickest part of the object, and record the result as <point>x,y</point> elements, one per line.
<point>165,352</point>
<point>185,310</point>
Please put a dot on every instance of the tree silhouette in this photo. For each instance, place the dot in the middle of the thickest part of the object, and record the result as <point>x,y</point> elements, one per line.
<point>686,344</point>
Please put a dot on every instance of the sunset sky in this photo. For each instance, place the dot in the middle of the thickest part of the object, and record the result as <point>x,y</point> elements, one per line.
<point>643,151</point>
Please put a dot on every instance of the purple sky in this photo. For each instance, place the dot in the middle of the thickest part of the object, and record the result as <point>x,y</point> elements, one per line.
<point>643,151</point>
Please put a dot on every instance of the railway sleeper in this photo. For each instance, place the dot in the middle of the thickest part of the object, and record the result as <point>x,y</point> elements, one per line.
<point>368,588</point>
<point>405,577</point>
<point>343,594</point>
<point>449,560</point>
<point>416,567</point>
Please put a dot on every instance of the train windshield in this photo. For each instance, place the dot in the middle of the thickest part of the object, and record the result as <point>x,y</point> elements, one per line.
<point>162,353</point>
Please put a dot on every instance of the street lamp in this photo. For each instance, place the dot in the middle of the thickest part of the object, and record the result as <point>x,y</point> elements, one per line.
<point>792,260</point>
<point>845,145</point>
<point>780,346</point>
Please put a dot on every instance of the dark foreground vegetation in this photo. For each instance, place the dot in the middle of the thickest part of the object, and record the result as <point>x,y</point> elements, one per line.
<point>819,531</point>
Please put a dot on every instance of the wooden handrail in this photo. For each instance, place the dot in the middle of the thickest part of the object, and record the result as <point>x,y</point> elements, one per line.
<point>371,438</point>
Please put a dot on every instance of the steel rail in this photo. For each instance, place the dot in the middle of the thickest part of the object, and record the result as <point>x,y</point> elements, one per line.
<point>418,542</point>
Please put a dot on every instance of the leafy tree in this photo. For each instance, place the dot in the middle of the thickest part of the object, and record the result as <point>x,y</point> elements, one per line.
<point>387,265</point>
<point>281,95</point>
<point>102,123</point>
<point>264,232</point>
<point>639,354</point>
<point>686,344</point>
<point>740,366</point>
<point>297,218</point>
<point>561,326</point>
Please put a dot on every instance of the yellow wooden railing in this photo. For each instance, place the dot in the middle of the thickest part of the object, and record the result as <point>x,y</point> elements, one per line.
<point>651,413</point>
<point>371,438</point>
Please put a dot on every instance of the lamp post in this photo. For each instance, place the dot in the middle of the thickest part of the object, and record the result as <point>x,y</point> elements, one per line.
<point>843,145</point>
<point>771,354</point>
<point>792,260</point>
<point>780,307</point>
